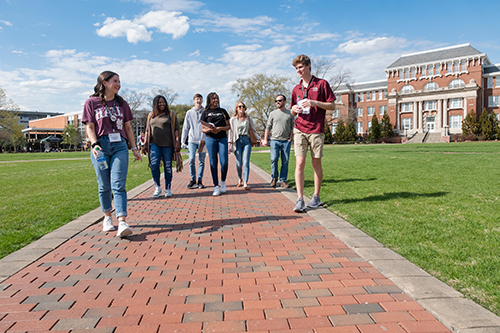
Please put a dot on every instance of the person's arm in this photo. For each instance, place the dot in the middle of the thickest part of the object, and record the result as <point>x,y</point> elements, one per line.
<point>222,128</point>
<point>130,135</point>
<point>90,129</point>
<point>185,128</point>
<point>266,135</point>
<point>322,105</point>
<point>177,141</point>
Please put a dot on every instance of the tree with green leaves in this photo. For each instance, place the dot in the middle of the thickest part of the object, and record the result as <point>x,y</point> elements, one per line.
<point>258,93</point>
<point>494,124</point>
<point>11,135</point>
<point>338,136</point>
<point>328,134</point>
<point>386,126</point>
<point>180,110</point>
<point>350,133</point>
<point>487,131</point>
<point>470,125</point>
<point>375,131</point>
<point>71,136</point>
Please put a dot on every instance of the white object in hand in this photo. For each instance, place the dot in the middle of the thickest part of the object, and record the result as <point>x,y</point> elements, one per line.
<point>305,110</point>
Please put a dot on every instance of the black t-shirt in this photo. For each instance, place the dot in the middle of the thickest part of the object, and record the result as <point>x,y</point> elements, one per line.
<point>218,117</point>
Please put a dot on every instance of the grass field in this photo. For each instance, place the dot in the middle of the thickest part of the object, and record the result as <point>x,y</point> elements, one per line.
<point>41,192</point>
<point>436,204</point>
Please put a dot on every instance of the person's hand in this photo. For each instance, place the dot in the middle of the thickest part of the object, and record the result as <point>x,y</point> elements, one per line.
<point>95,150</point>
<point>263,142</point>
<point>307,103</point>
<point>296,109</point>
<point>216,130</point>
<point>137,155</point>
<point>177,147</point>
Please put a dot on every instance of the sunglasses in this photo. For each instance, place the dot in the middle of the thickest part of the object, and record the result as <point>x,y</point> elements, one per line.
<point>241,106</point>
<point>279,100</point>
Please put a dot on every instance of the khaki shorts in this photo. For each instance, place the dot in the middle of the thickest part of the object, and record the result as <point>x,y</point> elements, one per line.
<point>303,140</point>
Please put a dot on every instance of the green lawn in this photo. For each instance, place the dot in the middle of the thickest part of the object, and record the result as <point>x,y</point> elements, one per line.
<point>436,204</point>
<point>39,196</point>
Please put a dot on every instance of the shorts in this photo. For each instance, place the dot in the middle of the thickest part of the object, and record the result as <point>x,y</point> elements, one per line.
<point>303,140</point>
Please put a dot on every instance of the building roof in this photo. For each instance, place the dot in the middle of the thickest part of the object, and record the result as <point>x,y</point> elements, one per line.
<point>362,86</point>
<point>491,69</point>
<point>438,55</point>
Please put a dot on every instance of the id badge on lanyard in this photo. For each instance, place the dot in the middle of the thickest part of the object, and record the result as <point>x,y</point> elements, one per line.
<point>114,137</point>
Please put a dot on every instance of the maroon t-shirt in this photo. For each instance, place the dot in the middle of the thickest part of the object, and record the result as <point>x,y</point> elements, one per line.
<point>317,90</point>
<point>95,112</point>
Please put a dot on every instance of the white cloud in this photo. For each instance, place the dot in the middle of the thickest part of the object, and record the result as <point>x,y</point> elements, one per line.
<point>219,22</point>
<point>172,23</point>
<point>320,37</point>
<point>167,49</point>
<point>166,22</point>
<point>371,45</point>
<point>19,52</point>
<point>195,53</point>
<point>6,23</point>
<point>118,28</point>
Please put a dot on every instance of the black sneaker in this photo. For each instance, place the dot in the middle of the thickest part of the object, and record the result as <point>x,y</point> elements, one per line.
<point>192,184</point>
<point>200,185</point>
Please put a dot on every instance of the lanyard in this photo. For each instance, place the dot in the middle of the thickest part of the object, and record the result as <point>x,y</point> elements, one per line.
<point>111,116</point>
<point>304,93</point>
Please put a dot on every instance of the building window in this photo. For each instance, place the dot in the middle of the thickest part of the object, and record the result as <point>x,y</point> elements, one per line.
<point>359,127</point>
<point>489,82</point>
<point>463,66</point>
<point>335,113</point>
<point>430,70</point>
<point>369,124</point>
<point>360,97</point>
<point>371,110</point>
<point>407,123</point>
<point>407,89</point>
<point>407,73</point>
<point>431,86</point>
<point>449,67</point>
<point>456,69</point>
<point>385,94</point>
<point>406,107</point>
<point>497,81</point>
<point>493,101</point>
<point>368,96</point>
<point>437,69</point>
<point>334,127</point>
<point>455,103</point>
<point>355,98</point>
<point>457,83</point>
<point>422,71</point>
<point>412,73</point>
<point>359,112</point>
<point>382,110</point>
<point>374,95</point>
<point>430,105</point>
<point>456,121</point>
<point>400,74</point>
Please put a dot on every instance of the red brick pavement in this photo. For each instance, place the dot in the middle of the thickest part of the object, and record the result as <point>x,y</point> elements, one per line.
<point>241,262</point>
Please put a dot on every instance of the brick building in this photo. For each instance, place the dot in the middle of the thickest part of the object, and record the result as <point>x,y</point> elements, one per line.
<point>430,91</point>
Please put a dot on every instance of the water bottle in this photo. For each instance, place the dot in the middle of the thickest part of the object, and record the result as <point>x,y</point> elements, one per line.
<point>101,160</point>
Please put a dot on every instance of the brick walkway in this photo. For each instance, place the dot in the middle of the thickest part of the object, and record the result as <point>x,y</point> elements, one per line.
<point>241,262</point>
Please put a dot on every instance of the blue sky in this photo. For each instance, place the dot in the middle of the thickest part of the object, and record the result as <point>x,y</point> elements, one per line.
<point>51,52</point>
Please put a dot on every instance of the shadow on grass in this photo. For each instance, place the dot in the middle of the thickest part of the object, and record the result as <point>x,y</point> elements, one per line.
<point>387,196</point>
<point>310,183</point>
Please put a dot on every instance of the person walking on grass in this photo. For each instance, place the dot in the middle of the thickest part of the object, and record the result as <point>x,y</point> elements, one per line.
<point>310,100</point>
<point>242,127</point>
<point>280,127</point>
<point>107,117</point>
<point>191,132</point>
<point>215,124</point>
<point>162,140</point>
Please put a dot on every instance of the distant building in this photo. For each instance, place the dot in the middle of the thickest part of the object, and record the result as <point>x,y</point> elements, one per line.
<point>430,91</point>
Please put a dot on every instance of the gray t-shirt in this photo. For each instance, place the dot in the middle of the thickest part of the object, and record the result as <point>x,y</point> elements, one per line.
<point>280,124</point>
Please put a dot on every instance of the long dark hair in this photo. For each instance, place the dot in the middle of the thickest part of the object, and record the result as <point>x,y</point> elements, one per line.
<point>209,100</point>
<point>156,110</point>
<point>99,87</point>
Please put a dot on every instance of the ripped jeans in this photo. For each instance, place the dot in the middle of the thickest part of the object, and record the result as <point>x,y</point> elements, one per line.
<point>157,154</point>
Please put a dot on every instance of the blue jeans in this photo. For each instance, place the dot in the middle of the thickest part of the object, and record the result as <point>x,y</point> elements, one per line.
<point>280,148</point>
<point>157,154</point>
<point>113,179</point>
<point>192,148</point>
<point>242,152</point>
<point>217,147</point>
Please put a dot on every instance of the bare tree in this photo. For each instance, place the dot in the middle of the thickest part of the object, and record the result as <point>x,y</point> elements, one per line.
<point>327,68</point>
<point>135,100</point>
<point>166,92</point>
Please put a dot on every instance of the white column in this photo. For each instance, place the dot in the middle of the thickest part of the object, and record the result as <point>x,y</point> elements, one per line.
<point>445,113</point>
<point>415,116</point>
<point>465,107</point>
<point>439,115</point>
<point>420,115</point>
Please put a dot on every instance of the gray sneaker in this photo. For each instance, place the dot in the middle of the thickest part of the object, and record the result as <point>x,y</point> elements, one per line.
<point>300,206</point>
<point>315,202</point>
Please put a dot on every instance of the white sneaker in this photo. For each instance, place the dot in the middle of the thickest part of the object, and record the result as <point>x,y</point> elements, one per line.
<point>216,191</point>
<point>123,230</point>
<point>168,193</point>
<point>223,187</point>
<point>107,224</point>
<point>157,192</point>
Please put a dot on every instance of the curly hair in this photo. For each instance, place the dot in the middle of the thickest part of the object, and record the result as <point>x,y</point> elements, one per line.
<point>156,110</point>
